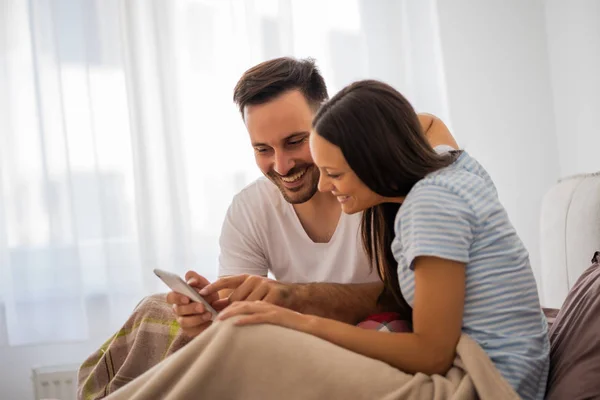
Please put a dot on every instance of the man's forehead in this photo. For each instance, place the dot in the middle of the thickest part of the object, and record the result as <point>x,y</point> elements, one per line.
<point>288,105</point>
<point>276,120</point>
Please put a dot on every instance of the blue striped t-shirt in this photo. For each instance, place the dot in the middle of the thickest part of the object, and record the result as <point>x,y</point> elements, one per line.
<point>455,214</point>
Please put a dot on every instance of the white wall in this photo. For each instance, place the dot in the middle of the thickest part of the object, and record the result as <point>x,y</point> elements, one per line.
<point>573,29</point>
<point>403,50</point>
<point>500,101</point>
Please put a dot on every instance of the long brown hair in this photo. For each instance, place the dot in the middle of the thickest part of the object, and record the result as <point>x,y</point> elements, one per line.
<point>381,138</point>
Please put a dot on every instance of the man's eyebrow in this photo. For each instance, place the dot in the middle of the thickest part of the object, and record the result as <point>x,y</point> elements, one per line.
<point>288,137</point>
<point>296,134</point>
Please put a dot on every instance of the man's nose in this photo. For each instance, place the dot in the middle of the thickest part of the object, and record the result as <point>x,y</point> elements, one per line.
<point>283,163</point>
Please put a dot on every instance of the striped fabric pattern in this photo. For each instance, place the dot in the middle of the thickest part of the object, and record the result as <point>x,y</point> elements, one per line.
<point>455,214</point>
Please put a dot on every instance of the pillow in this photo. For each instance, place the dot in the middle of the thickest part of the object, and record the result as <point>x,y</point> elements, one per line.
<point>575,341</point>
<point>386,322</point>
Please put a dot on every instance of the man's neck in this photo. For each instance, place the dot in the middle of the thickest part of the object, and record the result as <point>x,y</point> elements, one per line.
<point>322,203</point>
<point>319,216</point>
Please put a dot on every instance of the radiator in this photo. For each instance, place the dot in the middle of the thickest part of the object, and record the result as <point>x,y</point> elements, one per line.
<point>55,382</point>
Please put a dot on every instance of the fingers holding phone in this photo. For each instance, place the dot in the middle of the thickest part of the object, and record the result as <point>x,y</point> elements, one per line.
<point>192,316</point>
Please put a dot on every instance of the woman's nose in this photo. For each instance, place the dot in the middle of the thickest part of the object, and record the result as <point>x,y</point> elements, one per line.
<point>324,184</point>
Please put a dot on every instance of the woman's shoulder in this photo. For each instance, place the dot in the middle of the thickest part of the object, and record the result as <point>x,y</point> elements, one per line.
<point>465,177</point>
<point>463,186</point>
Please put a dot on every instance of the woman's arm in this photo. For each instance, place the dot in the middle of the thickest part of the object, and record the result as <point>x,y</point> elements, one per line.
<point>437,322</point>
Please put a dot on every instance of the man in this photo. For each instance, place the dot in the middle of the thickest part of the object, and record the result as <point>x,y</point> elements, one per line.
<point>279,224</point>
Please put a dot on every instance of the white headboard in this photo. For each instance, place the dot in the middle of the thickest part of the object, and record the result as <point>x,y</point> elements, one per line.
<point>570,234</point>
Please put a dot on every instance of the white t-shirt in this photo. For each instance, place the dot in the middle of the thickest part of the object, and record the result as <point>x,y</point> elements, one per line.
<point>262,233</point>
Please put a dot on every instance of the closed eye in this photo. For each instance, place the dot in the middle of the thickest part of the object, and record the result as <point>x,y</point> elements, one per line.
<point>295,142</point>
<point>261,149</point>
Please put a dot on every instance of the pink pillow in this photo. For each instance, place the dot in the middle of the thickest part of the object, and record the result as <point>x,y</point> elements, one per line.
<point>386,322</point>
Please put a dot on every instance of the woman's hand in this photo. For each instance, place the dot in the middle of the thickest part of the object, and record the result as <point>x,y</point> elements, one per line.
<point>261,312</point>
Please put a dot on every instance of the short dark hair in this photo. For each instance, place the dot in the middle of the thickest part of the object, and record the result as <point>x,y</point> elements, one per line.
<point>381,138</point>
<point>272,78</point>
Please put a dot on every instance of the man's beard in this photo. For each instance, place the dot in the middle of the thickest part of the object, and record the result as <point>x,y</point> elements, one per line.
<point>303,193</point>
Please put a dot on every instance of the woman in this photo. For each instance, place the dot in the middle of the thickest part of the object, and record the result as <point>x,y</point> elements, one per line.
<point>442,242</point>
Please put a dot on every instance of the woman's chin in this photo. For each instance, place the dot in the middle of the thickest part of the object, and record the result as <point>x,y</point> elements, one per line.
<point>348,209</point>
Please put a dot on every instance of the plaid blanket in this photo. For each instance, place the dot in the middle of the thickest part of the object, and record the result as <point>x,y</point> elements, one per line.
<point>149,336</point>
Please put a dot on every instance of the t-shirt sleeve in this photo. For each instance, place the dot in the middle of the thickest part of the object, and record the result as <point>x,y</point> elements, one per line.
<point>239,243</point>
<point>435,222</point>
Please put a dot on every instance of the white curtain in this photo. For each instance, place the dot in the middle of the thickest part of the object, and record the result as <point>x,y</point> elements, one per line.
<point>120,147</point>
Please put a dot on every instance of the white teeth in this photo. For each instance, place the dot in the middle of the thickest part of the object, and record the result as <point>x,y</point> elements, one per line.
<point>293,178</point>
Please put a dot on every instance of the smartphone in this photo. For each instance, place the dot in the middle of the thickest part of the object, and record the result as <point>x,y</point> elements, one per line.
<point>178,285</point>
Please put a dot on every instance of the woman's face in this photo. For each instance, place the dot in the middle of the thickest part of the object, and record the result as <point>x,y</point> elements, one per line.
<point>338,178</point>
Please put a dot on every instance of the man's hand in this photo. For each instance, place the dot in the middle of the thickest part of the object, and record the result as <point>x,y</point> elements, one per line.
<point>192,316</point>
<point>250,288</point>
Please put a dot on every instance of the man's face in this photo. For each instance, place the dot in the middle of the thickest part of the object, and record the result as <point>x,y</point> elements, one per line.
<point>279,132</point>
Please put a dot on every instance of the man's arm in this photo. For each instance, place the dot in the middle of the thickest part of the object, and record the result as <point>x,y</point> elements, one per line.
<point>349,303</point>
<point>436,132</point>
